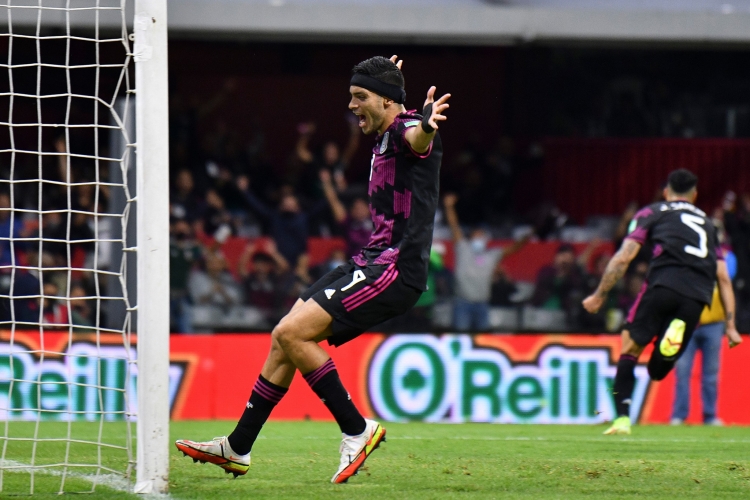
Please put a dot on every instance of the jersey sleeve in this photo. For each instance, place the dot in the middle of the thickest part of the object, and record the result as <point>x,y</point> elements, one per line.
<point>641,225</point>
<point>404,125</point>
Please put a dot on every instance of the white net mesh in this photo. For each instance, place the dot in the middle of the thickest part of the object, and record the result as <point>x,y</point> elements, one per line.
<point>67,367</point>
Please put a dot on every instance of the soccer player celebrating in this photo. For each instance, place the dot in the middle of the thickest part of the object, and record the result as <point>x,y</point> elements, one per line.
<point>686,263</point>
<point>384,280</point>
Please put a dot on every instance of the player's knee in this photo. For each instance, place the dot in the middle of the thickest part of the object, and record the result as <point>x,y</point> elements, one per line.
<point>283,333</point>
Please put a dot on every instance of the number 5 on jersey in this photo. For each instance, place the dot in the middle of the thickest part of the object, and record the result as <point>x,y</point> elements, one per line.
<point>694,222</point>
<point>358,277</point>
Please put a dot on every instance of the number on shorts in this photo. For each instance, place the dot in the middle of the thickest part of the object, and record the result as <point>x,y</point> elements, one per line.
<point>694,222</point>
<point>358,276</point>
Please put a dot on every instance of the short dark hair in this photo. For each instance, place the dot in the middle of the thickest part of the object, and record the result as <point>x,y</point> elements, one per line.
<point>565,248</point>
<point>381,68</point>
<point>682,181</point>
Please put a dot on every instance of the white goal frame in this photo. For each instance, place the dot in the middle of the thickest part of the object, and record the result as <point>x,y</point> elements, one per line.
<point>152,222</point>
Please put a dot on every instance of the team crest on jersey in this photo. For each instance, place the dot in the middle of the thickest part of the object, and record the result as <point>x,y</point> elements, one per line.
<point>384,144</point>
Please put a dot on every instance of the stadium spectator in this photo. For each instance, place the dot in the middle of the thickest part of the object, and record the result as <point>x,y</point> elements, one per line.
<point>336,258</point>
<point>82,314</point>
<point>288,224</point>
<point>8,230</point>
<point>356,225</point>
<point>264,272</point>
<point>214,286</point>
<point>475,266</point>
<point>20,283</point>
<point>184,254</point>
<point>216,221</point>
<point>184,199</point>
<point>330,159</point>
<point>503,288</point>
<point>54,313</point>
<point>737,224</point>
<point>560,285</point>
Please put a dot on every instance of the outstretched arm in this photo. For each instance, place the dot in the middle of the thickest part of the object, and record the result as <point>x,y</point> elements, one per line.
<point>727,300</point>
<point>420,137</point>
<point>449,201</point>
<point>616,268</point>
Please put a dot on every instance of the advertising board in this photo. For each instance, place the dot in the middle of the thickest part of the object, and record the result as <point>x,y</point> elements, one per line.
<point>525,378</point>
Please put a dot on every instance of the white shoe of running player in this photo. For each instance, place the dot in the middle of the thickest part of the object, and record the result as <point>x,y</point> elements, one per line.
<point>217,452</point>
<point>355,450</point>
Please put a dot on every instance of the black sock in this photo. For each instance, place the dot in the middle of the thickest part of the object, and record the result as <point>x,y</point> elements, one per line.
<point>327,385</point>
<point>624,383</point>
<point>263,399</point>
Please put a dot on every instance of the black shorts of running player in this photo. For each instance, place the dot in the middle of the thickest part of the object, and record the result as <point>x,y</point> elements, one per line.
<point>359,298</point>
<point>650,318</point>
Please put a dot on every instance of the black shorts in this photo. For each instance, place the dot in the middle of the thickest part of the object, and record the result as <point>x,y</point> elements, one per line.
<point>359,298</point>
<point>655,309</point>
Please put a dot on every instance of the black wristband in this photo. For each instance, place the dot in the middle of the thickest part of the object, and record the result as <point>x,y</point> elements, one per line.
<point>426,115</point>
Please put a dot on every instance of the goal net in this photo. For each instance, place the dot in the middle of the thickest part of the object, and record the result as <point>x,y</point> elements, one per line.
<point>70,187</point>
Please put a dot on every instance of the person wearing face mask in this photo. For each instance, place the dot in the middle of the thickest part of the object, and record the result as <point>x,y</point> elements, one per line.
<point>474,269</point>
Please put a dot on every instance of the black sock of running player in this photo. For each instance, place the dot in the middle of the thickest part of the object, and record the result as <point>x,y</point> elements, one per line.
<point>262,401</point>
<point>624,383</point>
<point>327,385</point>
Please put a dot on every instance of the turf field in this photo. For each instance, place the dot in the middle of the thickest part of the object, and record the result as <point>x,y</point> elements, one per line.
<point>422,461</point>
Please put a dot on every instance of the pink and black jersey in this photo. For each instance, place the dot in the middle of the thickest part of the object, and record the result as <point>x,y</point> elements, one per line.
<point>685,244</point>
<point>403,191</point>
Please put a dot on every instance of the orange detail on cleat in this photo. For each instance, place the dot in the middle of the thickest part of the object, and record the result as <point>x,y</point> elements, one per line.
<point>372,444</point>
<point>186,447</point>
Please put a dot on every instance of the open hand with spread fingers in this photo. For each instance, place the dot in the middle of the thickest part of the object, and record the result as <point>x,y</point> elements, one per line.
<point>435,108</point>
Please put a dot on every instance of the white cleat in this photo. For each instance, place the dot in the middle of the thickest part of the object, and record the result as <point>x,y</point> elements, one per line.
<point>217,452</point>
<point>355,450</point>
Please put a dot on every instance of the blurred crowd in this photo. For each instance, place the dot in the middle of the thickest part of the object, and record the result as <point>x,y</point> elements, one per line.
<point>241,227</point>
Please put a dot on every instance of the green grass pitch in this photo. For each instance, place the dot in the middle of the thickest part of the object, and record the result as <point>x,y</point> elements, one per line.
<point>423,461</point>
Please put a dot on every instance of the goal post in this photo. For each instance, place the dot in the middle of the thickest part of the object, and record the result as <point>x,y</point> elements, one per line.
<point>152,216</point>
<point>84,247</point>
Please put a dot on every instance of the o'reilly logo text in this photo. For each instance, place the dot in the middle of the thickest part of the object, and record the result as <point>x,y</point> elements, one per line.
<point>423,377</point>
<point>80,384</point>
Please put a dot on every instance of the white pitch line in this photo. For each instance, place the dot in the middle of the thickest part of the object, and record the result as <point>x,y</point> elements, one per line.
<point>111,481</point>
<point>543,439</point>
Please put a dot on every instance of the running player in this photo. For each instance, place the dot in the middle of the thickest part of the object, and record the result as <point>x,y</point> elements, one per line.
<point>686,263</point>
<point>384,280</point>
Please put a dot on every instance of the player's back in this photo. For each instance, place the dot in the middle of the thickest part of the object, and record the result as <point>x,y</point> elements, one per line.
<point>685,247</point>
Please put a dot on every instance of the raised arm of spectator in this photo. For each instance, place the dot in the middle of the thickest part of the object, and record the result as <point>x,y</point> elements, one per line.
<point>243,266</point>
<point>585,257</point>
<point>302,149</point>
<point>281,263</point>
<point>337,208</point>
<point>518,244</point>
<point>353,142</point>
<point>243,186</point>
<point>62,160</point>
<point>727,300</point>
<point>449,202</point>
<point>208,106</point>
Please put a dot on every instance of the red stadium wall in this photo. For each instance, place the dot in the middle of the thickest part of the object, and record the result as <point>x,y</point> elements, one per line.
<point>601,176</point>
<point>522,266</point>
